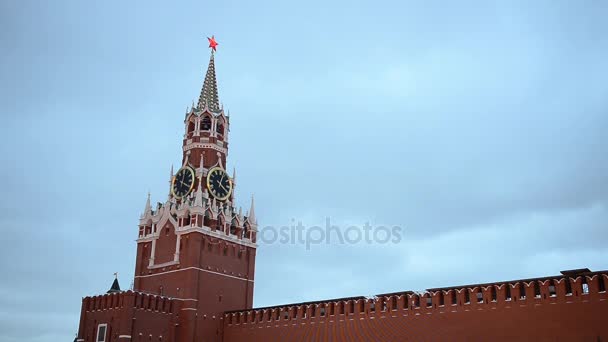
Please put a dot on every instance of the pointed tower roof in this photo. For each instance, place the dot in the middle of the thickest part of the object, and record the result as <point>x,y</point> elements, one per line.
<point>115,287</point>
<point>209,95</point>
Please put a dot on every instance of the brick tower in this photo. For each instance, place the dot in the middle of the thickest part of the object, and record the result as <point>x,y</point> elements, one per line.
<point>195,252</point>
<point>197,247</point>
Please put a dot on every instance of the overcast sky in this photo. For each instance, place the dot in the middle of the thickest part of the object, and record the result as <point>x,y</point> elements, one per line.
<point>480,128</point>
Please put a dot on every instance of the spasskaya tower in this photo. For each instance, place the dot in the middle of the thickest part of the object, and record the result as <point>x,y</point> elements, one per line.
<point>195,251</point>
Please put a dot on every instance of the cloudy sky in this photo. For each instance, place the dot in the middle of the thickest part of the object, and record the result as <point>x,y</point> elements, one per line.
<point>479,128</point>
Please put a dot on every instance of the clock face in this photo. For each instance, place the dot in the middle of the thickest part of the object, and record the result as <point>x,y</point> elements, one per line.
<point>182,182</point>
<point>219,184</point>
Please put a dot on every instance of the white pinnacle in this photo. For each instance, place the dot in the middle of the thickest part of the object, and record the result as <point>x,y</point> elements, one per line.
<point>198,200</point>
<point>148,208</point>
<point>252,212</point>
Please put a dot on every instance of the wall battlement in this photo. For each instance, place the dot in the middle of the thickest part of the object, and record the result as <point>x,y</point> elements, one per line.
<point>129,299</point>
<point>532,292</point>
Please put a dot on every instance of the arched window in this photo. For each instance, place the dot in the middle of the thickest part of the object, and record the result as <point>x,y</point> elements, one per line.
<point>207,219</point>
<point>246,230</point>
<point>190,128</point>
<point>206,123</point>
<point>220,223</point>
<point>220,128</point>
<point>233,228</point>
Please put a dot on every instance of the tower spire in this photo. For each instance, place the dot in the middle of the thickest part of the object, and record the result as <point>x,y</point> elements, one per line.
<point>209,95</point>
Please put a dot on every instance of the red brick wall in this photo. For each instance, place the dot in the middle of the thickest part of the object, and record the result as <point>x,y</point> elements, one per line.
<point>138,315</point>
<point>575,317</point>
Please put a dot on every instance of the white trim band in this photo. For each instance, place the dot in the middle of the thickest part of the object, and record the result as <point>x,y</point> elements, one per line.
<point>194,268</point>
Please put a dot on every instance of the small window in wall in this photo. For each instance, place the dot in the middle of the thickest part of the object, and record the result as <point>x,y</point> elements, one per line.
<point>479,296</point>
<point>522,291</point>
<point>568,286</point>
<point>552,292</point>
<point>101,332</point>
<point>585,286</point>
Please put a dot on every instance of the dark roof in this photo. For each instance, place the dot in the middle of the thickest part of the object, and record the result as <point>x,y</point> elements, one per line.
<point>115,287</point>
<point>209,95</point>
<point>576,271</point>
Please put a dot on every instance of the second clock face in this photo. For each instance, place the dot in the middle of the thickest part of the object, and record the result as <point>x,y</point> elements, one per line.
<point>183,182</point>
<point>219,184</point>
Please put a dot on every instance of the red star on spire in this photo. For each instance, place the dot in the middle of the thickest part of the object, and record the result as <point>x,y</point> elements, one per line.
<point>212,42</point>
